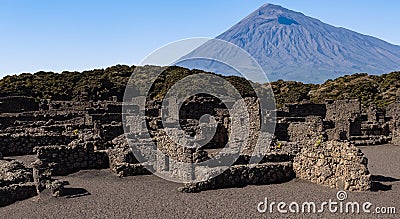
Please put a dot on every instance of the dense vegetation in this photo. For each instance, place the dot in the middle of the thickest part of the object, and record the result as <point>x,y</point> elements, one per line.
<point>101,84</point>
<point>370,89</point>
<point>94,85</point>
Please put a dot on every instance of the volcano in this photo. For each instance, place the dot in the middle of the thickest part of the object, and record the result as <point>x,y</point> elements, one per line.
<point>292,46</point>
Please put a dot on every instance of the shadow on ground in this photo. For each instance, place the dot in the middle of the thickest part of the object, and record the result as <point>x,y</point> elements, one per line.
<point>377,183</point>
<point>75,192</point>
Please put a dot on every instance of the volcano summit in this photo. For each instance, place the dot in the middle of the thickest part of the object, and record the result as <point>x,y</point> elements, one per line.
<point>292,46</point>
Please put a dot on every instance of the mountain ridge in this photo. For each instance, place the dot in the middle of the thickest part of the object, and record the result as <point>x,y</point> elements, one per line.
<point>292,46</point>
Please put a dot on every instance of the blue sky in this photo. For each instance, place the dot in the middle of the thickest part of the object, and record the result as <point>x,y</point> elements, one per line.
<point>85,34</point>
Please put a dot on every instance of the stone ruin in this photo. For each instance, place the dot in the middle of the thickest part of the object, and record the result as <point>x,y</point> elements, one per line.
<point>341,120</point>
<point>68,136</point>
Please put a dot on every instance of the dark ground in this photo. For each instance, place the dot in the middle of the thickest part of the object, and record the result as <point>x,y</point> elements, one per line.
<point>99,194</point>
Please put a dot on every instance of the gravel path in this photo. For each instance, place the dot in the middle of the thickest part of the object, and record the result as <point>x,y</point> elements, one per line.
<point>99,194</point>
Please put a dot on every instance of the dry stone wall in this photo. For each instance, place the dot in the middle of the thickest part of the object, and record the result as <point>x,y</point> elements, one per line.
<point>346,116</point>
<point>15,104</point>
<point>243,175</point>
<point>78,155</point>
<point>335,164</point>
<point>16,182</point>
<point>14,172</point>
<point>16,192</point>
<point>338,120</point>
<point>396,136</point>
<point>301,132</point>
<point>23,143</point>
<point>393,111</point>
<point>122,160</point>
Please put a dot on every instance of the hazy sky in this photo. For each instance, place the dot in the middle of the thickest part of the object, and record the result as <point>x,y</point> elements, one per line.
<point>57,35</point>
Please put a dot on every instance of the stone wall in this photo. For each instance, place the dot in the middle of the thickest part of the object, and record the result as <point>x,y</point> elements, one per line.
<point>301,132</point>
<point>393,111</point>
<point>17,104</point>
<point>306,109</point>
<point>38,118</point>
<point>173,150</point>
<point>341,120</point>
<point>16,192</point>
<point>122,160</point>
<point>253,109</point>
<point>335,164</point>
<point>189,122</point>
<point>346,116</point>
<point>79,155</point>
<point>16,182</point>
<point>342,109</point>
<point>396,136</point>
<point>13,172</point>
<point>242,175</point>
<point>336,120</point>
<point>23,143</point>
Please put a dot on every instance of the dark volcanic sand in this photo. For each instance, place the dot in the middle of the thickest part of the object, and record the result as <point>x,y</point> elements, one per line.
<point>151,197</point>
